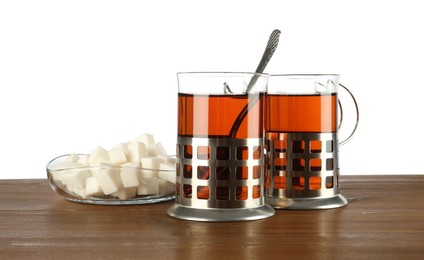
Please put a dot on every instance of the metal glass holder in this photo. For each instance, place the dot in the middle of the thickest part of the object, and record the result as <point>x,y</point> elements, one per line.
<point>303,171</point>
<point>220,179</point>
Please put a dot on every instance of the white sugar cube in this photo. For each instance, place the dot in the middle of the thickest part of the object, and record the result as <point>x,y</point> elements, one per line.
<point>136,151</point>
<point>109,180</point>
<point>168,159</point>
<point>80,192</point>
<point>84,159</point>
<point>74,178</point>
<point>99,155</point>
<point>167,166</point>
<point>73,158</point>
<point>92,186</point>
<point>151,150</point>
<point>64,165</point>
<point>129,174</point>
<point>166,187</point>
<point>148,186</point>
<point>156,149</point>
<point>146,173</point>
<point>97,167</point>
<point>57,170</point>
<point>168,172</point>
<point>144,138</point>
<point>151,162</point>
<point>125,193</point>
<point>123,146</point>
<point>117,156</point>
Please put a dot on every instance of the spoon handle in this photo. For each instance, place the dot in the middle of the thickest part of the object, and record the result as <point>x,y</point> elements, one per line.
<point>269,51</point>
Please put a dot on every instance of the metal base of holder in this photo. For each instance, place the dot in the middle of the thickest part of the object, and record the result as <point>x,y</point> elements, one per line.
<point>220,215</point>
<point>309,203</point>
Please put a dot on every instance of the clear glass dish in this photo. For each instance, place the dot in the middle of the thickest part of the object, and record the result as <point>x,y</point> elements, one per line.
<point>106,184</point>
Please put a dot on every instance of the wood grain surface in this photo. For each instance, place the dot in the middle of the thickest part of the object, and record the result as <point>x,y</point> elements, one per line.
<point>384,220</point>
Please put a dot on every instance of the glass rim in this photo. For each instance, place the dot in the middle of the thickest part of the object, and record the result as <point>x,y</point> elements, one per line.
<point>222,73</point>
<point>304,75</point>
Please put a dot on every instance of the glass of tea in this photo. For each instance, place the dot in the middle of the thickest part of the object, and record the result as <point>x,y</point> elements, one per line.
<point>220,147</point>
<point>301,124</point>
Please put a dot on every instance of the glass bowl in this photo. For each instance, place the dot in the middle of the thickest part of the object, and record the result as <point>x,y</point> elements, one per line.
<point>106,184</point>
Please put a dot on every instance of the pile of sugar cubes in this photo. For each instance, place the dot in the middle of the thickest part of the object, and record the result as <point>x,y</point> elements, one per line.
<point>138,167</point>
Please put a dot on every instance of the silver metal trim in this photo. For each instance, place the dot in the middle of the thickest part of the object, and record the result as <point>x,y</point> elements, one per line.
<point>216,207</point>
<point>220,215</point>
<point>298,156</point>
<point>318,203</point>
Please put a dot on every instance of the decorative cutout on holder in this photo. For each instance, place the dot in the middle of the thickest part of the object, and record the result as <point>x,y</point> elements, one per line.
<point>242,173</point>
<point>315,146</point>
<point>187,171</point>
<point>315,164</point>
<point>222,153</point>
<point>257,152</point>
<point>329,146</point>
<point>280,146</point>
<point>329,182</point>
<point>203,172</point>
<point>242,153</point>
<point>257,172</point>
<point>298,146</point>
<point>203,152</point>
<point>280,164</point>
<point>203,192</point>
<point>279,182</point>
<point>298,183</point>
<point>188,152</point>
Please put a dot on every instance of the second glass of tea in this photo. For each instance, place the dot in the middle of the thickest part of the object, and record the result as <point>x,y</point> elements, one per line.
<point>302,141</point>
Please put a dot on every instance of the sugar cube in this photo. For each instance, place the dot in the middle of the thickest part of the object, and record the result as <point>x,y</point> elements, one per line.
<point>92,186</point>
<point>84,159</point>
<point>80,192</point>
<point>144,138</point>
<point>129,174</point>
<point>167,172</point>
<point>72,158</point>
<point>148,186</point>
<point>74,178</point>
<point>125,193</point>
<point>136,151</point>
<point>151,162</point>
<point>109,180</point>
<point>99,155</point>
<point>165,187</point>
<point>117,156</point>
<point>156,149</point>
<point>123,146</point>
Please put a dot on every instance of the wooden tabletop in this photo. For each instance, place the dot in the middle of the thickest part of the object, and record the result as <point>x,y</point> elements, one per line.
<point>384,220</point>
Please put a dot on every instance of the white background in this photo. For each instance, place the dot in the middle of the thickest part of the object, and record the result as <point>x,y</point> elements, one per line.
<point>78,74</point>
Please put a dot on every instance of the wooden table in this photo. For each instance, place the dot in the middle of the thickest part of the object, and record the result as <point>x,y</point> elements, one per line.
<point>384,220</point>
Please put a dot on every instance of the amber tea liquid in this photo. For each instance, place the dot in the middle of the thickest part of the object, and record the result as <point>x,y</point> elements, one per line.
<point>215,116</point>
<point>302,113</point>
<point>315,113</point>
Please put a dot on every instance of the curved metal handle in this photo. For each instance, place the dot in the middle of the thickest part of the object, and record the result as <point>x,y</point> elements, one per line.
<point>341,118</point>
